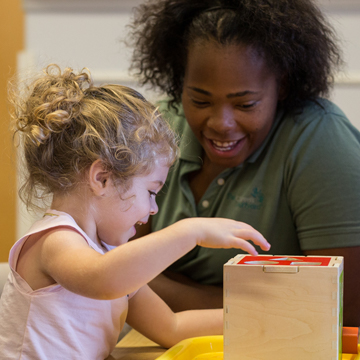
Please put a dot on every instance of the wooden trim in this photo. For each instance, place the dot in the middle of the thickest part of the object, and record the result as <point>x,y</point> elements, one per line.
<point>349,78</point>
<point>340,5</point>
<point>12,40</point>
<point>121,77</point>
<point>80,5</point>
<point>128,5</point>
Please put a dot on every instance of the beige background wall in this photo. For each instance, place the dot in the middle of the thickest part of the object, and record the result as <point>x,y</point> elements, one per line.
<point>11,41</point>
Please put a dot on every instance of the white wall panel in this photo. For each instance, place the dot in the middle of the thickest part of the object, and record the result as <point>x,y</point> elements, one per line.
<point>92,40</point>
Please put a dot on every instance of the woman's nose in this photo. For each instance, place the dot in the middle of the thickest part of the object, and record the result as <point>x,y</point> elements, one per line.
<point>222,120</point>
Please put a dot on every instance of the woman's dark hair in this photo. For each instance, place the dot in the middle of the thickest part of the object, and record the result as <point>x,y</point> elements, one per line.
<point>293,36</point>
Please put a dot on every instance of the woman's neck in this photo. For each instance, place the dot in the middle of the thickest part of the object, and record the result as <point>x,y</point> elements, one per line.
<point>200,180</point>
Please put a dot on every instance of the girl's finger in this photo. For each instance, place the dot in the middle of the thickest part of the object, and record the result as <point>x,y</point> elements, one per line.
<point>254,236</point>
<point>244,245</point>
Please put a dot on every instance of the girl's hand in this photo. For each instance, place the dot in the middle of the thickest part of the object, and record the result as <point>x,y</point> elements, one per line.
<point>227,233</point>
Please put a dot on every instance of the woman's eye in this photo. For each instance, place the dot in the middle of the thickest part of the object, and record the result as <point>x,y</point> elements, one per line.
<point>200,103</point>
<point>247,105</point>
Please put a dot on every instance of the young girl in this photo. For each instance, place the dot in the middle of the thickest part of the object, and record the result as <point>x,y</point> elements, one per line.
<point>103,153</point>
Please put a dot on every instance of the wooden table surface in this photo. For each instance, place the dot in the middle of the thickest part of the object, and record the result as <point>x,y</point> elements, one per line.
<point>135,346</point>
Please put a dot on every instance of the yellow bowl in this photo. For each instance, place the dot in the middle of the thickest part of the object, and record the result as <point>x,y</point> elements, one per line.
<point>198,348</point>
<point>209,348</point>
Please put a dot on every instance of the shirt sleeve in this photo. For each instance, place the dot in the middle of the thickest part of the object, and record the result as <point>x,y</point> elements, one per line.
<point>322,179</point>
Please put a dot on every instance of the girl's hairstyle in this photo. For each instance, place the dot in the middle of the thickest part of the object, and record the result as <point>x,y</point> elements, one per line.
<point>66,123</point>
<point>292,35</point>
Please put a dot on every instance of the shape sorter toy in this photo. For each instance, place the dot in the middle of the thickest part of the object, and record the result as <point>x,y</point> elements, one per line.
<point>283,307</point>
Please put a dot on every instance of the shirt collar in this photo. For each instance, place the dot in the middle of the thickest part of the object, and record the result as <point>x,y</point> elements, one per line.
<point>255,155</point>
<point>190,148</point>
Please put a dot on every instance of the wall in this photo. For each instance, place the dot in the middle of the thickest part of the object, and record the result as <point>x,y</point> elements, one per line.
<point>11,41</point>
<point>77,33</point>
<point>90,33</point>
<point>346,21</point>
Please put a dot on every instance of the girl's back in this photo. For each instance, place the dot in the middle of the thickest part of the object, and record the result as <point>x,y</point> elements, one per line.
<point>37,322</point>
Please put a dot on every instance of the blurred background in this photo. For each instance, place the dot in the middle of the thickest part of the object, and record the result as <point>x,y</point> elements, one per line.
<point>91,33</point>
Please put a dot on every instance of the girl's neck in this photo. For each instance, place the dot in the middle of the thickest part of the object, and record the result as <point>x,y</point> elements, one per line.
<point>80,209</point>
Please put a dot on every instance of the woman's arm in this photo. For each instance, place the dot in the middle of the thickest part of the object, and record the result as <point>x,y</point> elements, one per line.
<point>150,315</point>
<point>181,293</point>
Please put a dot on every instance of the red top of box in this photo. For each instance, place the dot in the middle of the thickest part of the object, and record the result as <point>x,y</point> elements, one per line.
<point>285,260</point>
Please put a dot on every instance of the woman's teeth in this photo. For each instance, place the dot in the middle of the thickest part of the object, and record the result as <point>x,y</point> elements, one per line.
<point>224,146</point>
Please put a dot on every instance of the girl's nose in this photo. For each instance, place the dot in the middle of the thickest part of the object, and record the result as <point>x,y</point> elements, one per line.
<point>154,208</point>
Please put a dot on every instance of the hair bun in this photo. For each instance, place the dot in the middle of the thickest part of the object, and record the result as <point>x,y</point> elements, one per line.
<point>54,102</point>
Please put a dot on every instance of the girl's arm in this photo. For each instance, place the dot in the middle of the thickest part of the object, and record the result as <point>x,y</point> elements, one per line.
<point>65,257</point>
<point>180,292</point>
<point>150,315</point>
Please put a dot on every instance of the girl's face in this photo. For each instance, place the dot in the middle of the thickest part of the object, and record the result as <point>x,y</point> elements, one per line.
<point>122,211</point>
<point>230,98</point>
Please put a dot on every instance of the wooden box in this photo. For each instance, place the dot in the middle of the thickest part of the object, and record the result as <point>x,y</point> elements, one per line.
<point>282,308</point>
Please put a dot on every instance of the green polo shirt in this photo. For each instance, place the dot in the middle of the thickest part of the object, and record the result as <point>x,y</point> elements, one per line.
<point>300,189</point>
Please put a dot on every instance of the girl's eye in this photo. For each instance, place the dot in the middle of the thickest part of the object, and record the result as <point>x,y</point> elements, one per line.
<point>152,193</point>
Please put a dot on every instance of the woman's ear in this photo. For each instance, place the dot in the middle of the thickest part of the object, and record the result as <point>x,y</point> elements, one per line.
<point>99,178</point>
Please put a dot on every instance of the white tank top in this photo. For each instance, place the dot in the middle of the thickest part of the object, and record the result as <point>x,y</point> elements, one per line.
<point>52,322</point>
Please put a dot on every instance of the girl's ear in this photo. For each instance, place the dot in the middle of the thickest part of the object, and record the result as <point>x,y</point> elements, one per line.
<point>99,178</point>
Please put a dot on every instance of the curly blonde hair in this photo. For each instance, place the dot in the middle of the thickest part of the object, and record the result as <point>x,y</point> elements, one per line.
<point>67,123</point>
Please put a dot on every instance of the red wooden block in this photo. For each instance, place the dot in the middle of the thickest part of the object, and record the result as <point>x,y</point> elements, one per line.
<point>350,340</point>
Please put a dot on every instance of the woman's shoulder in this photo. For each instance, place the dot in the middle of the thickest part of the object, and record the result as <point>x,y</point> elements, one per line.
<point>316,119</point>
<point>319,128</point>
<point>319,110</point>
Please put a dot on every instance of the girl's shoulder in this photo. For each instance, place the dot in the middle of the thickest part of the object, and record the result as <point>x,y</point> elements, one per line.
<point>53,232</point>
<point>58,219</point>
<point>53,225</point>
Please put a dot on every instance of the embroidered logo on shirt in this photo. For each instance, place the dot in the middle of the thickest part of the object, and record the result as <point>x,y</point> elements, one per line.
<point>254,201</point>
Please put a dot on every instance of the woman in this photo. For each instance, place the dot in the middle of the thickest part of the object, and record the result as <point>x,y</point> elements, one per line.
<point>247,82</point>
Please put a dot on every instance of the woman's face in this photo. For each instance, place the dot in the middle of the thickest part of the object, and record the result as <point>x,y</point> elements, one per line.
<point>230,98</point>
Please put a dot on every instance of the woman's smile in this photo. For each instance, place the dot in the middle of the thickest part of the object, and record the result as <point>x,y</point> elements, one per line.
<point>227,148</point>
<point>230,98</point>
